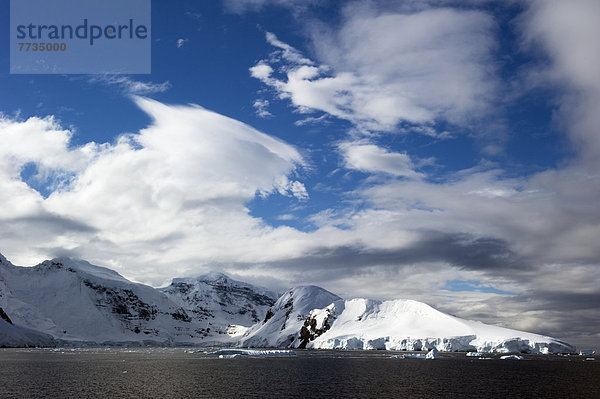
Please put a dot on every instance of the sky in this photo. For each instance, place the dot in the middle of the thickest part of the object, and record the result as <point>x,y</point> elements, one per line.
<point>443,151</point>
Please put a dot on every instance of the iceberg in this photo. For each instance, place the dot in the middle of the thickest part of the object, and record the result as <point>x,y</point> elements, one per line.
<point>412,356</point>
<point>511,357</point>
<point>234,356</point>
<point>587,352</point>
<point>432,354</point>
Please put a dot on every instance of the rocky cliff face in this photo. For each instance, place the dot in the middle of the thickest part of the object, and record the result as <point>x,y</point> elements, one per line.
<point>289,323</point>
<point>218,301</point>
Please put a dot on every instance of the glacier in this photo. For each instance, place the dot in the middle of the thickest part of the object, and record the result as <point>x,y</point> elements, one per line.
<point>67,301</point>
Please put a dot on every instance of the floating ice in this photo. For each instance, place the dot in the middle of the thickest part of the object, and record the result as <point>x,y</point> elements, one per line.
<point>413,356</point>
<point>237,355</point>
<point>230,353</point>
<point>587,352</point>
<point>511,357</point>
<point>474,354</point>
<point>432,354</point>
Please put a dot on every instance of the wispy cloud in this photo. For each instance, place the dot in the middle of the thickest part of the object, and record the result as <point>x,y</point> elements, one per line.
<point>437,66</point>
<point>130,86</point>
<point>286,216</point>
<point>181,42</point>
<point>310,120</point>
<point>241,6</point>
<point>262,108</point>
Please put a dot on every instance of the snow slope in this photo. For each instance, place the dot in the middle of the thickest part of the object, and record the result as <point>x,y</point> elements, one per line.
<point>319,319</point>
<point>74,300</point>
<point>15,336</point>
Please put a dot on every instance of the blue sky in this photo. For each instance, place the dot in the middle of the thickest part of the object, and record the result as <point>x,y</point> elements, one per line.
<point>437,150</point>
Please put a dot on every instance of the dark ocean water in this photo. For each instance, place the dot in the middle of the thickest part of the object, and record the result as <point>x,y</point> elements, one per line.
<point>174,373</point>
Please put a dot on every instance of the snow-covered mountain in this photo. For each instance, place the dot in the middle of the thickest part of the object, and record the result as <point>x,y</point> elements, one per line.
<point>314,318</point>
<point>221,303</point>
<point>71,300</point>
<point>75,301</point>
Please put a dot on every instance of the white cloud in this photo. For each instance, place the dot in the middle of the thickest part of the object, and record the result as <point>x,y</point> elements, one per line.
<point>240,6</point>
<point>262,108</point>
<point>567,31</point>
<point>130,86</point>
<point>170,200</point>
<point>299,191</point>
<point>380,69</point>
<point>286,216</point>
<point>181,42</point>
<point>261,71</point>
<point>310,120</point>
<point>174,192</point>
<point>287,53</point>
<point>373,159</point>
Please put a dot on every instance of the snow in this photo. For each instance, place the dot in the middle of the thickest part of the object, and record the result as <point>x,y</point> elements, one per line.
<point>289,313</point>
<point>587,352</point>
<point>319,319</point>
<point>235,331</point>
<point>73,300</point>
<point>12,335</point>
<point>412,356</point>
<point>432,354</point>
<point>225,307</point>
<point>511,357</point>
<point>229,353</point>
<point>410,325</point>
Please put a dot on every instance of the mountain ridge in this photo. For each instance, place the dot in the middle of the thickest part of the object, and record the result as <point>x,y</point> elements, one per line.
<point>73,301</point>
